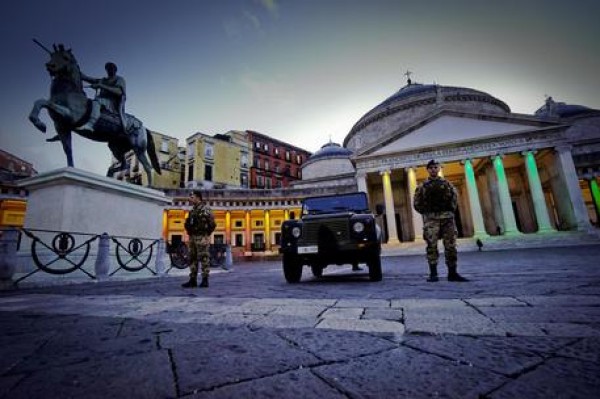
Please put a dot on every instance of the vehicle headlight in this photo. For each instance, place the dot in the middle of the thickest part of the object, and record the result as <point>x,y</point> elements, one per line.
<point>296,232</point>
<point>358,227</point>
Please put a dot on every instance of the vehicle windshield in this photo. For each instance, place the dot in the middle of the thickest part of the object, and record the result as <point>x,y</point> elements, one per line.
<point>342,203</point>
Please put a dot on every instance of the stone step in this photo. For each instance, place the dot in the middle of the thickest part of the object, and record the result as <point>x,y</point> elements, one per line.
<point>541,240</point>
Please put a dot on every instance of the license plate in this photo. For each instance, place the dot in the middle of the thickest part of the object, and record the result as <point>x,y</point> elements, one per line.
<point>313,249</point>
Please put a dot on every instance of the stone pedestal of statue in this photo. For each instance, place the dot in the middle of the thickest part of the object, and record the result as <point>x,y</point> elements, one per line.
<point>85,204</point>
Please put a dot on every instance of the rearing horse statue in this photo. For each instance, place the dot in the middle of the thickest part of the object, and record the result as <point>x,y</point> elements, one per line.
<point>70,108</point>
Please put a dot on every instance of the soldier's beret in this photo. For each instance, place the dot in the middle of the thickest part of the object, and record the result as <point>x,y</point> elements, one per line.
<point>432,162</point>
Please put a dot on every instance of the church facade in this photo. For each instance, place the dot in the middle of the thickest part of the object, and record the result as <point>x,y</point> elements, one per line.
<point>515,173</point>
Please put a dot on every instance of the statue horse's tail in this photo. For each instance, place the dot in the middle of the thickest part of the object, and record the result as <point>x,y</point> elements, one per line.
<point>151,149</point>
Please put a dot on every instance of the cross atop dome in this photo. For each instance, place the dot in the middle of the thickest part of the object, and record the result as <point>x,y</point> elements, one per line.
<point>407,74</point>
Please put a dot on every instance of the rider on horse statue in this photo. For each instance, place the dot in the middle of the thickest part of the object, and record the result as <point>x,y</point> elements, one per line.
<point>110,98</point>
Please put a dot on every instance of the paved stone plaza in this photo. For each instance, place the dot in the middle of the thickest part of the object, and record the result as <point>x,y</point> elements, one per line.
<point>527,326</point>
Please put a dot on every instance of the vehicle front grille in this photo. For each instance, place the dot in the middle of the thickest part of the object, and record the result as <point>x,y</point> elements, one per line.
<point>333,229</point>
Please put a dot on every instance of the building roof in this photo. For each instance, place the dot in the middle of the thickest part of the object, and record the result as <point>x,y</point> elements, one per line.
<point>417,94</point>
<point>331,150</point>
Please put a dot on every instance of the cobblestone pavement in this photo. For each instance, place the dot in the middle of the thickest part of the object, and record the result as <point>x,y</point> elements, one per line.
<point>526,326</point>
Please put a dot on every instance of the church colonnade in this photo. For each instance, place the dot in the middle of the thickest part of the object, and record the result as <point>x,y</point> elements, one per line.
<point>510,193</point>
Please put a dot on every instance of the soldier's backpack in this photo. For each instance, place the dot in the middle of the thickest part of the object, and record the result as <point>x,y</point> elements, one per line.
<point>202,223</point>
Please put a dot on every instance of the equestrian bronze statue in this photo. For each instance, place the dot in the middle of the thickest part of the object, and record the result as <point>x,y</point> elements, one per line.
<point>71,111</point>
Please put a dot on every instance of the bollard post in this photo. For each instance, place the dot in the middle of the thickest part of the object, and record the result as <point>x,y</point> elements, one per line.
<point>228,258</point>
<point>8,254</point>
<point>160,264</point>
<point>102,265</point>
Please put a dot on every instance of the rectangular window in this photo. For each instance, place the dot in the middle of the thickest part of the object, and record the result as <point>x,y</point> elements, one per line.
<point>208,171</point>
<point>239,240</point>
<point>277,238</point>
<point>208,150</point>
<point>266,165</point>
<point>239,224</point>
<point>244,160</point>
<point>244,180</point>
<point>164,145</point>
<point>219,239</point>
<point>258,223</point>
<point>190,172</point>
<point>268,181</point>
<point>287,155</point>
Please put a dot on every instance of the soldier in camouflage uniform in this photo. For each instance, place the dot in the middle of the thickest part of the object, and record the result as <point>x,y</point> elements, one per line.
<point>436,199</point>
<point>200,224</point>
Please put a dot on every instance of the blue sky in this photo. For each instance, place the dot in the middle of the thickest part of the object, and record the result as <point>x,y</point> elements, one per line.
<point>302,71</point>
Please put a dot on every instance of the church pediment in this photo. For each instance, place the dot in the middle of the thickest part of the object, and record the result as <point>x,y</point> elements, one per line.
<point>447,129</point>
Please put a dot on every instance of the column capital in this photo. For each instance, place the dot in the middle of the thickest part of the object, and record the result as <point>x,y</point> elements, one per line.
<point>498,155</point>
<point>524,153</point>
<point>464,161</point>
<point>563,148</point>
<point>385,172</point>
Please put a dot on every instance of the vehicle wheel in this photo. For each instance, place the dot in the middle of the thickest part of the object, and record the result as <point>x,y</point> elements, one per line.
<point>292,269</point>
<point>375,268</point>
<point>180,256</point>
<point>317,270</point>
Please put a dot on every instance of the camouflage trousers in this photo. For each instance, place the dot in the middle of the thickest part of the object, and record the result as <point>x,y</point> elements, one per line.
<point>440,229</point>
<point>199,246</point>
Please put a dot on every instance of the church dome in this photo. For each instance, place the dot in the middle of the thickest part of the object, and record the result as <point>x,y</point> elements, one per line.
<point>563,110</point>
<point>331,150</point>
<point>331,160</point>
<point>414,102</point>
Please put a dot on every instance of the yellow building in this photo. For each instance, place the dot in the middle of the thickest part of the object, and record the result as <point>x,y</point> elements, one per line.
<point>170,158</point>
<point>248,220</point>
<point>12,212</point>
<point>216,161</point>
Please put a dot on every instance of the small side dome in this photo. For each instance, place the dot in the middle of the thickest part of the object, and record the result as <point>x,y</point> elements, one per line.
<point>331,150</point>
<point>562,110</point>
<point>330,161</point>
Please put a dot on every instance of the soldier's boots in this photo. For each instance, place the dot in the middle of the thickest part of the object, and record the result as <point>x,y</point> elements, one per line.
<point>454,276</point>
<point>204,282</point>
<point>433,276</point>
<point>190,284</point>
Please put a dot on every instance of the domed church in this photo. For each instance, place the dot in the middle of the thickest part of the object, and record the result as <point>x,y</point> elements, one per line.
<point>515,173</point>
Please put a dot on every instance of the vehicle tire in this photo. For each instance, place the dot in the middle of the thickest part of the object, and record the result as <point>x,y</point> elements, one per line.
<point>317,270</point>
<point>292,269</point>
<point>180,256</point>
<point>374,264</point>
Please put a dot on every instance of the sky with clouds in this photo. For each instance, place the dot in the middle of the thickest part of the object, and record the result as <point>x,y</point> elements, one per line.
<point>301,71</point>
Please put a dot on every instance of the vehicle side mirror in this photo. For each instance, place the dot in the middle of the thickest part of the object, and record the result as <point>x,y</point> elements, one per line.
<point>379,208</point>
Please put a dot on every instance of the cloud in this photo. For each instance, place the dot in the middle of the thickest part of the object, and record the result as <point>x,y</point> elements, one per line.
<point>253,19</point>
<point>271,6</point>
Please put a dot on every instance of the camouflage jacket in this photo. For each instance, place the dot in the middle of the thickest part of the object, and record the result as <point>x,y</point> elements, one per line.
<point>436,199</point>
<point>200,221</point>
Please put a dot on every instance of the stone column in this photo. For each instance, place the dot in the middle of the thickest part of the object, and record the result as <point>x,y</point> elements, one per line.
<point>595,190</point>
<point>571,181</point>
<point>417,218</point>
<point>267,222</point>
<point>508,216</point>
<point>228,227</point>
<point>390,215</point>
<point>361,182</point>
<point>537,193</point>
<point>248,243</point>
<point>476,213</point>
